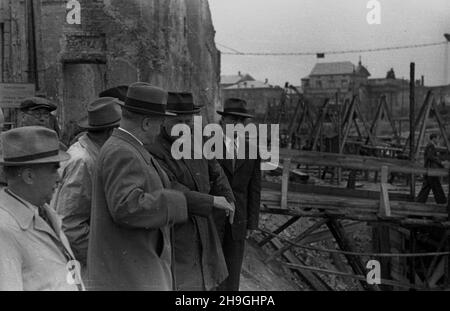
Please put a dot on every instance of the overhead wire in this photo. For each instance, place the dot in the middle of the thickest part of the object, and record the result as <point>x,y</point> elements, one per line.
<point>403,47</point>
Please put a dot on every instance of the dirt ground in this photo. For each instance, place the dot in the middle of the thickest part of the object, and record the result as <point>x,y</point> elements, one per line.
<point>258,276</point>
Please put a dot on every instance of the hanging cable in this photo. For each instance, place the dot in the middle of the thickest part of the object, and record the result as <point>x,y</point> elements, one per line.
<point>404,47</point>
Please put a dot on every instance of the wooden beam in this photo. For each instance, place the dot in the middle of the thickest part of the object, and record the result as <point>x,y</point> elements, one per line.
<point>285,182</point>
<point>391,121</point>
<point>347,124</point>
<point>341,204</point>
<point>280,229</point>
<point>369,218</point>
<point>334,191</point>
<point>440,124</point>
<point>345,244</point>
<point>314,281</point>
<point>423,129</point>
<point>385,207</point>
<point>297,239</point>
<point>359,162</point>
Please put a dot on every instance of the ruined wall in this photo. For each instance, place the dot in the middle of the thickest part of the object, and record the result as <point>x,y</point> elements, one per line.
<point>169,43</point>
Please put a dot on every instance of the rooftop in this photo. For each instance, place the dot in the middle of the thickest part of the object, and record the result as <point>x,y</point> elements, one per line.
<point>335,68</point>
<point>251,85</point>
<point>234,79</point>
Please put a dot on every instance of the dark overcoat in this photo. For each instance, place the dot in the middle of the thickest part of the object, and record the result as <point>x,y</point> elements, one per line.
<point>245,180</point>
<point>131,219</point>
<point>199,260</point>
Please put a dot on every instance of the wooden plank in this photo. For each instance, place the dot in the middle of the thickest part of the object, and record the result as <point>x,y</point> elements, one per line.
<point>305,200</point>
<point>391,121</point>
<point>285,182</point>
<point>385,207</point>
<point>297,239</point>
<point>347,124</point>
<point>423,128</point>
<point>344,244</point>
<point>334,191</point>
<point>311,278</point>
<point>358,162</point>
<point>326,234</point>
<point>440,124</point>
<point>369,218</point>
<point>361,116</point>
<point>283,227</point>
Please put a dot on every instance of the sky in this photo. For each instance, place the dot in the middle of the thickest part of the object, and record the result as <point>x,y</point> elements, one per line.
<point>330,25</point>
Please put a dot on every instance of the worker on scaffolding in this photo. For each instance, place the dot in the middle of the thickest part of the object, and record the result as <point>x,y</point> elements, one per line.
<point>432,160</point>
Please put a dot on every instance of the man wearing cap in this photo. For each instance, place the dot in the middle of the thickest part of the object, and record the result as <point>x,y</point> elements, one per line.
<point>35,255</point>
<point>133,209</point>
<point>244,176</point>
<point>74,195</point>
<point>37,111</point>
<point>199,261</point>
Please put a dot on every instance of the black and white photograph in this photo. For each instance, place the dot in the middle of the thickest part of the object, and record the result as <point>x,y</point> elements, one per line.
<point>225,151</point>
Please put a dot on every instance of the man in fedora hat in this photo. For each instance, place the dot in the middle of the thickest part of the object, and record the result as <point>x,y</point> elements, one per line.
<point>133,209</point>
<point>74,195</point>
<point>199,261</point>
<point>35,254</point>
<point>244,176</point>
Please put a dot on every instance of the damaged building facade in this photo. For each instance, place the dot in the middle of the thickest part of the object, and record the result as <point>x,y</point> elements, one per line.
<point>168,43</point>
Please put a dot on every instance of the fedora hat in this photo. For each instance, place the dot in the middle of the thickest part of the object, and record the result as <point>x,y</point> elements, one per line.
<point>143,98</point>
<point>181,103</point>
<point>32,103</point>
<point>119,92</point>
<point>103,113</point>
<point>31,145</point>
<point>235,107</point>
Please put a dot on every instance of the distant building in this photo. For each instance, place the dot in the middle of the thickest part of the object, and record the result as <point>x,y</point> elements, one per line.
<point>229,80</point>
<point>327,79</point>
<point>345,79</point>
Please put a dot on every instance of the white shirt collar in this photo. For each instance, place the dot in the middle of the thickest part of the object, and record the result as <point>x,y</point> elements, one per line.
<point>123,130</point>
<point>229,143</point>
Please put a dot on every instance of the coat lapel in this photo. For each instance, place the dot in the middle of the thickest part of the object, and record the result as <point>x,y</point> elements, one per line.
<point>56,224</point>
<point>192,172</point>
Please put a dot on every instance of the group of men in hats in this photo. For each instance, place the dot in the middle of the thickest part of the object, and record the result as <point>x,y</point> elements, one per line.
<point>117,211</point>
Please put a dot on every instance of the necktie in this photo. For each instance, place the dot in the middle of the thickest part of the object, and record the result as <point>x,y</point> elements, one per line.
<point>235,154</point>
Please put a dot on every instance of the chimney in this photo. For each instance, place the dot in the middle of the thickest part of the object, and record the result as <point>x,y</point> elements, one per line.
<point>266,81</point>
<point>239,73</point>
<point>423,81</point>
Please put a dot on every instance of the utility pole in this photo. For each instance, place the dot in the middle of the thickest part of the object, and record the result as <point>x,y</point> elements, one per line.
<point>412,121</point>
<point>31,43</point>
<point>447,61</point>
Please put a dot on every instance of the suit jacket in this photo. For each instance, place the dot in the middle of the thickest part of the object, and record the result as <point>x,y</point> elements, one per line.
<point>33,254</point>
<point>245,180</point>
<point>73,198</point>
<point>199,260</point>
<point>431,157</point>
<point>132,214</point>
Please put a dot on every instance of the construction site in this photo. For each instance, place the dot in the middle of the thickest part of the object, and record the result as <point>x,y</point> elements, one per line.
<point>340,200</point>
<point>346,195</point>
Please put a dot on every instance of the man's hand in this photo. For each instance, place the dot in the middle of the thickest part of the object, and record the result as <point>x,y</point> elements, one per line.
<point>231,217</point>
<point>223,204</point>
<point>249,233</point>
